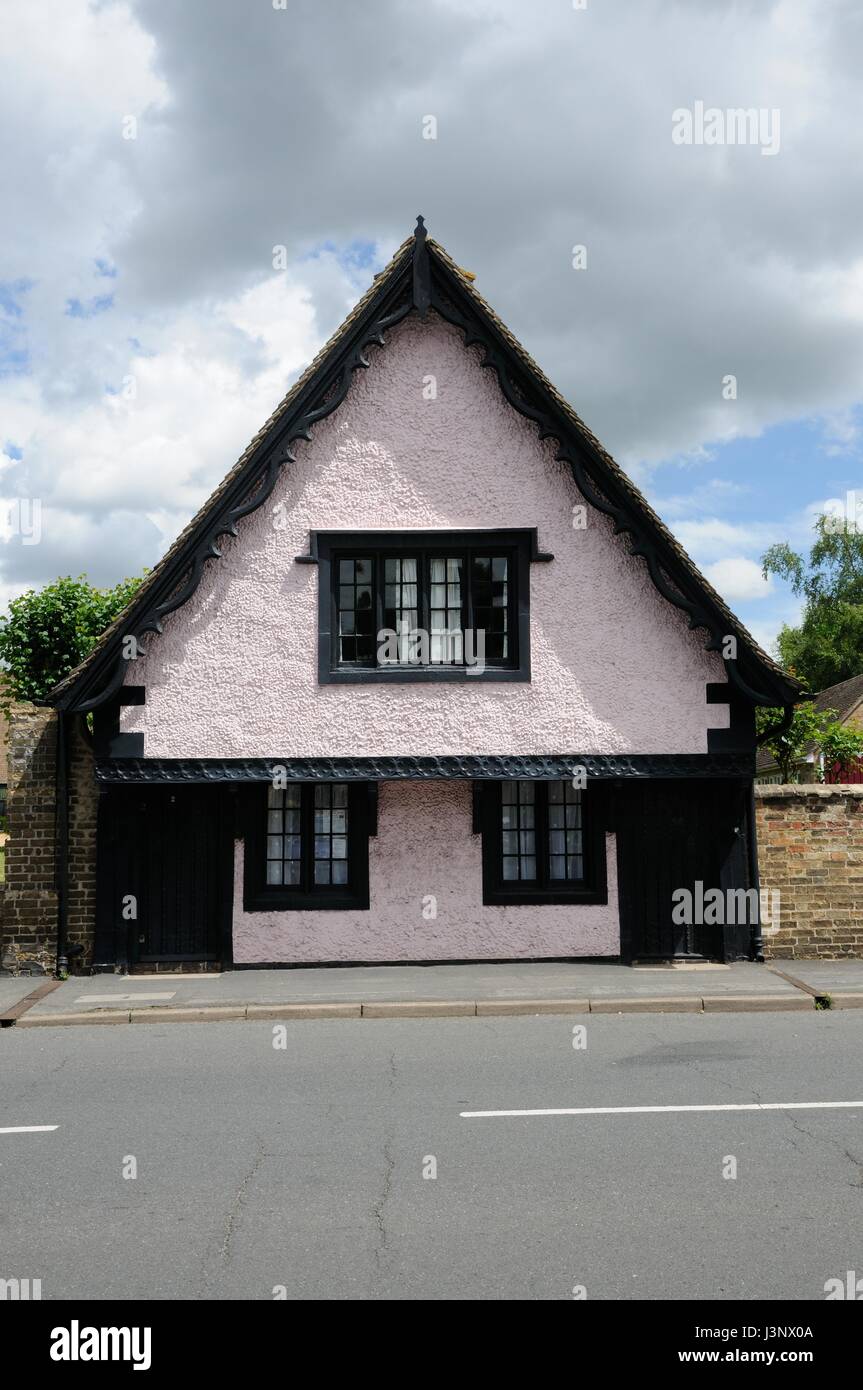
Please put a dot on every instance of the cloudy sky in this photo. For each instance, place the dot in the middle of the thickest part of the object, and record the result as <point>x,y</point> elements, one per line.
<point>155,152</point>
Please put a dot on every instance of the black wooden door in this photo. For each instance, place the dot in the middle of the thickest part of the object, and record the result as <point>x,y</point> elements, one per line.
<point>165,874</point>
<point>673,835</point>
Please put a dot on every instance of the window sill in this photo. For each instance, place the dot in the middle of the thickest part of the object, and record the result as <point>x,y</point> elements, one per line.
<point>398,675</point>
<point>276,900</point>
<point>584,897</point>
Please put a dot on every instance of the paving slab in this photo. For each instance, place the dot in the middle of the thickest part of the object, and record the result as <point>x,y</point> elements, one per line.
<point>14,988</point>
<point>831,977</point>
<point>670,982</point>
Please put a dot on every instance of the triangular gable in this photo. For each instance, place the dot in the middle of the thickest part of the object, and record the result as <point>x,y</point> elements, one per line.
<point>422,278</point>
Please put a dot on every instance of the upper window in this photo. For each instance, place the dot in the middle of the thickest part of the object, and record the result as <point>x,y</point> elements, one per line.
<point>415,605</point>
<point>542,842</point>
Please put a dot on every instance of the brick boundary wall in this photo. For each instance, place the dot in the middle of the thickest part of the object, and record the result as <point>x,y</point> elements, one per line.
<point>810,848</point>
<point>28,904</point>
<point>83,808</point>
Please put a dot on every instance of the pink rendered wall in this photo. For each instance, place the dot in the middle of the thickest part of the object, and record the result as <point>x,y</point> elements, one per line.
<point>615,668</point>
<point>424,846</point>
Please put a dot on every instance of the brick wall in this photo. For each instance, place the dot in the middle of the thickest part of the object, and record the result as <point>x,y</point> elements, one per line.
<point>28,905</point>
<point>83,804</point>
<point>810,848</point>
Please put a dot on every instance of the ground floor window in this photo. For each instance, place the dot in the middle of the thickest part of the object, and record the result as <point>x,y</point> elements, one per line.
<point>542,842</point>
<point>307,846</point>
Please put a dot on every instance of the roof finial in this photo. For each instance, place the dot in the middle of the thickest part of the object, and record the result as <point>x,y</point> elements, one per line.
<point>421,269</point>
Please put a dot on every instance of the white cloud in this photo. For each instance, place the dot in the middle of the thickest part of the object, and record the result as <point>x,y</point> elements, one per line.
<point>737,578</point>
<point>710,538</point>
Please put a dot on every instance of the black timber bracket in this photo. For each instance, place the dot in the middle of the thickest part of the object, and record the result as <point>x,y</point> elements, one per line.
<point>739,737</point>
<point>108,741</point>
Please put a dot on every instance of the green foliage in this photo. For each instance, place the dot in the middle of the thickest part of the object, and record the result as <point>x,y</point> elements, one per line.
<point>841,743</point>
<point>47,632</point>
<point>827,647</point>
<point>808,725</point>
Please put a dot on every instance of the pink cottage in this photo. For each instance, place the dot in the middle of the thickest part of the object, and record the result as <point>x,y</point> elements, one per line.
<point>426,679</point>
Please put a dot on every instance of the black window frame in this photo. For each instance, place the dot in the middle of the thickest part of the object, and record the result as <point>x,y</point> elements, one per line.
<point>500,892</point>
<point>260,896</point>
<point>518,545</point>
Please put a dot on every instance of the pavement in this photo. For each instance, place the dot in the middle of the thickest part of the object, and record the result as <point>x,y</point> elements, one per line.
<point>237,1161</point>
<point>434,991</point>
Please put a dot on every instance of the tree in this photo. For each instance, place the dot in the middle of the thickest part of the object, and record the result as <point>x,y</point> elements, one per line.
<point>827,647</point>
<point>841,745</point>
<point>808,725</point>
<point>47,632</point>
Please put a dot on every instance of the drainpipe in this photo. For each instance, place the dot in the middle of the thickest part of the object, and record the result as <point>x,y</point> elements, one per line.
<point>780,728</point>
<point>62,851</point>
<point>756,941</point>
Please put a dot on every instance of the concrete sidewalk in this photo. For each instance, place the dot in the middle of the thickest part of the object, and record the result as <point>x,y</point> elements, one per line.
<point>417,991</point>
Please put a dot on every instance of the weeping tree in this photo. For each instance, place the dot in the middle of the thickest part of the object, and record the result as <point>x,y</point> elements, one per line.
<point>827,647</point>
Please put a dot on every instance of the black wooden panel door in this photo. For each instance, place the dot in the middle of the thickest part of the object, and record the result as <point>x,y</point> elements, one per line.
<point>169,849</point>
<point>672,835</point>
<point>181,864</point>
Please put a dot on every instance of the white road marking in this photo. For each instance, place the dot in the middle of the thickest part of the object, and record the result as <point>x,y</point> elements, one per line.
<point>120,998</point>
<point>666,1109</point>
<point>28,1129</point>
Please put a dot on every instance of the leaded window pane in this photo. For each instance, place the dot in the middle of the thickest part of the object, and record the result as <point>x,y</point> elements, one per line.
<point>490,580</point>
<point>565,834</point>
<point>401,606</point>
<point>356,617</point>
<point>331,846</point>
<point>446,639</point>
<point>518,835</point>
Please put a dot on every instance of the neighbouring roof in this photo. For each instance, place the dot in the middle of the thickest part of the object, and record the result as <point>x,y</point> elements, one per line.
<point>844,698</point>
<point>420,277</point>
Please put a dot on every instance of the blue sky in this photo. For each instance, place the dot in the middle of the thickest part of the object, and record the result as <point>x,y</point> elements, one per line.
<point>147,329</point>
